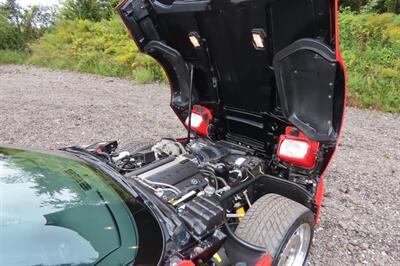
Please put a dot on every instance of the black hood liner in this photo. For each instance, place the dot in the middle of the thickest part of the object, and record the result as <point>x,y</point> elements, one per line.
<point>306,73</point>
<point>251,92</point>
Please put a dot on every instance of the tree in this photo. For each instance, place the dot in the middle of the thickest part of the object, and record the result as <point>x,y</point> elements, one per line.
<point>37,19</point>
<point>19,25</point>
<point>396,6</point>
<point>377,6</point>
<point>12,11</point>
<point>94,10</point>
<point>11,36</point>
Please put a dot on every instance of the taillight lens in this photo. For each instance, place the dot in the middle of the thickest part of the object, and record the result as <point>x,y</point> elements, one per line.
<point>295,148</point>
<point>185,263</point>
<point>197,121</point>
<point>200,120</point>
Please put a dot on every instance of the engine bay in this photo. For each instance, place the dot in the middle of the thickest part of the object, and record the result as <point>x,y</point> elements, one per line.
<point>177,173</point>
<point>206,182</point>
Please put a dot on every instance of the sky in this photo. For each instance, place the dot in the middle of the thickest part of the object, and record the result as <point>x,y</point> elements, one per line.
<point>26,3</point>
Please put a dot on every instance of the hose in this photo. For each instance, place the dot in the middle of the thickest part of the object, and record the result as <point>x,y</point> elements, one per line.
<point>162,185</point>
<point>222,180</point>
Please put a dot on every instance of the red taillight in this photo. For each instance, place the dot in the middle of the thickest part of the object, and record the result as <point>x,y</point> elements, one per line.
<point>294,147</point>
<point>185,263</point>
<point>200,119</point>
<point>265,260</point>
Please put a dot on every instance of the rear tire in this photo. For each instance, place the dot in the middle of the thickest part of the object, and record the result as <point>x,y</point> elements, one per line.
<point>283,226</point>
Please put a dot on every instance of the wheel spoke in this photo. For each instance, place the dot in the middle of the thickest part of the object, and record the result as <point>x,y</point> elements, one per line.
<point>295,251</point>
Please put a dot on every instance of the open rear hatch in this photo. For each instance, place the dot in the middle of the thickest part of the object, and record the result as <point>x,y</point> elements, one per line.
<point>259,65</point>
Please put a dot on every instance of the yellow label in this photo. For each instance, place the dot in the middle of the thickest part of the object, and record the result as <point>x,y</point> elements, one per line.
<point>217,257</point>
<point>240,211</point>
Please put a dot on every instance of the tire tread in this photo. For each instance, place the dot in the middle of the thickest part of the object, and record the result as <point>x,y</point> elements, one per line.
<point>268,220</point>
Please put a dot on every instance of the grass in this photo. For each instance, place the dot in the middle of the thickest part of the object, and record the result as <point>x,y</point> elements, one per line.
<point>13,57</point>
<point>370,46</point>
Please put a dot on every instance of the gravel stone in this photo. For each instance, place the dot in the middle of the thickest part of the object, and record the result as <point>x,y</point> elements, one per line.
<point>360,219</point>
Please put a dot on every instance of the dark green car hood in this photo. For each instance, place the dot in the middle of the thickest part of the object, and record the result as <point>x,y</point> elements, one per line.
<point>56,210</point>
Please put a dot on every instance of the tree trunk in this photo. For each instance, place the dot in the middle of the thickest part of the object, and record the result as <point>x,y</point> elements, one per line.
<point>396,6</point>
<point>360,3</point>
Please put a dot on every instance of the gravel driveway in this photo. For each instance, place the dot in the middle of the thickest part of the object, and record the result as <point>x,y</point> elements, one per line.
<point>360,219</point>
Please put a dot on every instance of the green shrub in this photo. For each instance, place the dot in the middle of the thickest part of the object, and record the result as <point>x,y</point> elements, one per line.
<point>143,75</point>
<point>13,57</point>
<point>94,10</point>
<point>10,36</point>
<point>370,46</point>
<point>102,48</point>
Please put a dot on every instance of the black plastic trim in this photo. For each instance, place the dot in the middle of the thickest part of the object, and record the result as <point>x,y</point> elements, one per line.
<point>245,121</point>
<point>179,6</point>
<point>275,185</point>
<point>177,71</point>
<point>308,106</point>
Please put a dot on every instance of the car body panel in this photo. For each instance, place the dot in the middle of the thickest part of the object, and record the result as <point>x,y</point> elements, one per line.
<point>296,76</point>
<point>56,210</point>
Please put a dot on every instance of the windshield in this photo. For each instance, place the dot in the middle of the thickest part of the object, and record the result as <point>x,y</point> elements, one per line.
<point>56,210</point>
